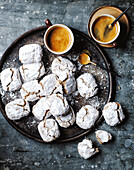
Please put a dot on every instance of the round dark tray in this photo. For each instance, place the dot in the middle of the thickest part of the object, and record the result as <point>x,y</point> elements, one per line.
<point>28,125</point>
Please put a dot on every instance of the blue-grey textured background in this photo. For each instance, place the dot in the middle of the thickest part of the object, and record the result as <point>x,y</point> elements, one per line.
<point>18,16</point>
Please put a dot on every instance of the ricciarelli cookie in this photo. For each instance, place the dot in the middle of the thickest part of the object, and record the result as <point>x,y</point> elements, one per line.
<point>69,84</point>
<point>31,91</point>
<point>41,110</point>
<point>17,109</point>
<point>51,85</point>
<point>32,71</point>
<point>86,85</point>
<point>103,136</point>
<point>59,105</point>
<point>86,117</point>
<point>10,79</point>
<point>30,53</point>
<point>66,120</point>
<point>113,113</point>
<point>86,149</point>
<point>62,67</point>
<point>48,130</point>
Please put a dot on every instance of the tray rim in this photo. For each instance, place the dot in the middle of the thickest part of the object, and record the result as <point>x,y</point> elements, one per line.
<point>2,106</point>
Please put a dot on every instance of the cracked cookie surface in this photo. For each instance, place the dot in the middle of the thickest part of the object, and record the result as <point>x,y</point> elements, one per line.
<point>30,53</point>
<point>48,130</point>
<point>41,110</point>
<point>86,149</point>
<point>103,136</point>
<point>31,91</point>
<point>32,71</point>
<point>113,113</point>
<point>62,67</point>
<point>51,85</point>
<point>69,85</point>
<point>86,117</point>
<point>17,109</point>
<point>59,105</point>
<point>86,85</point>
<point>66,120</point>
<point>10,79</point>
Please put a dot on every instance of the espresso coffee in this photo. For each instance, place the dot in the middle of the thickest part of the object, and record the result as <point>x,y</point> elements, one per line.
<point>59,39</point>
<point>100,31</point>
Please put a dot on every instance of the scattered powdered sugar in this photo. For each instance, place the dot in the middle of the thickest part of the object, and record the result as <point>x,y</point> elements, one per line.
<point>32,123</point>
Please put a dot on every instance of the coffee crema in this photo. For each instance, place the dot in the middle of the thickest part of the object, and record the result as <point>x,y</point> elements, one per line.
<point>100,26</point>
<point>59,39</point>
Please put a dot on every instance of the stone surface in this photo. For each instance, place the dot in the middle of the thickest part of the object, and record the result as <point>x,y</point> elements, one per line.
<point>19,152</point>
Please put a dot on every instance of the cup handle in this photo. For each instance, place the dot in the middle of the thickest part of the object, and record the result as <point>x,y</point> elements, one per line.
<point>115,45</point>
<point>48,23</point>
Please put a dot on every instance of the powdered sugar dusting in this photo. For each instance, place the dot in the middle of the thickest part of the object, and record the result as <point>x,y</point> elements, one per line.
<point>29,123</point>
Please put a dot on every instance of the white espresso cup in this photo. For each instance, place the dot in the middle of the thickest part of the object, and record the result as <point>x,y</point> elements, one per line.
<point>55,39</point>
<point>117,29</point>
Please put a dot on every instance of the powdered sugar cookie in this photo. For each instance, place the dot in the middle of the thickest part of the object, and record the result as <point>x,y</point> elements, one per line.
<point>31,53</point>
<point>62,67</point>
<point>32,71</point>
<point>48,130</point>
<point>66,120</point>
<point>86,117</point>
<point>103,136</point>
<point>69,84</point>
<point>41,109</point>
<point>31,90</point>
<point>59,105</point>
<point>10,79</point>
<point>86,150</point>
<point>51,85</point>
<point>113,113</point>
<point>17,109</point>
<point>86,85</point>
